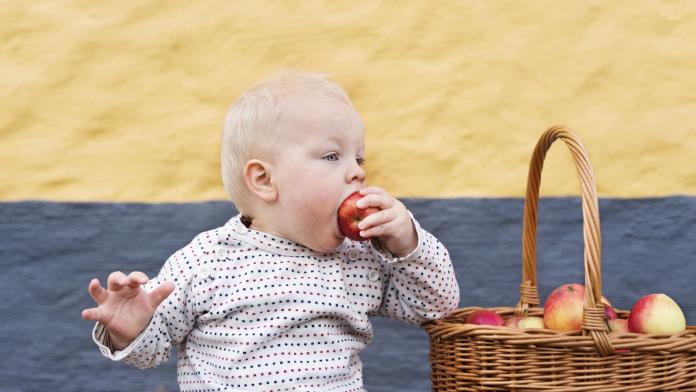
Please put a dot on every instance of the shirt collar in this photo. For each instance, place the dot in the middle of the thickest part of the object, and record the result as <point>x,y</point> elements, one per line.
<point>235,229</point>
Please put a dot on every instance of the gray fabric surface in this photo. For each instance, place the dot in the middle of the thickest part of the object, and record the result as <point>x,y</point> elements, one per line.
<point>50,251</point>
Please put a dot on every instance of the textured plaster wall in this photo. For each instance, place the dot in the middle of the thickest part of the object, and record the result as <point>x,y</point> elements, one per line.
<point>123,101</point>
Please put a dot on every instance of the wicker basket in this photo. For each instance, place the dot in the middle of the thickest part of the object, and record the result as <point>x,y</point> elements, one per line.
<point>466,357</point>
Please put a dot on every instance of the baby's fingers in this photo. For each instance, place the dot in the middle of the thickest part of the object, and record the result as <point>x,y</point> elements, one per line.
<point>93,314</point>
<point>378,218</point>
<point>97,292</point>
<point>160,293</point>
<point>378,230</point>
<point>137,278</point>
<point>381,201</point>
<point>372,190</point>
<point>116,281</point>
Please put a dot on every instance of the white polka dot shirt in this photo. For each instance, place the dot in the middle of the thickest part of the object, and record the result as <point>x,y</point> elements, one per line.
<point>254,312</point>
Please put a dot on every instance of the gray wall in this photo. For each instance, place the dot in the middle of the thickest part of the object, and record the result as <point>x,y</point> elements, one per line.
<point>50,251</point>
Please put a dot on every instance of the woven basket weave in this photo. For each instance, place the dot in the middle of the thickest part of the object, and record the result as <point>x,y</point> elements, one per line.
<point>467,357</point>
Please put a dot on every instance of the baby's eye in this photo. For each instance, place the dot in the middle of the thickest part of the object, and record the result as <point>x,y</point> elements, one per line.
<point>331,157</point>
<point>360,160</point>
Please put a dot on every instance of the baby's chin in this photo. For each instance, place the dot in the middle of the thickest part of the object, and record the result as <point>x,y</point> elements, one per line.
<point>326,245</point>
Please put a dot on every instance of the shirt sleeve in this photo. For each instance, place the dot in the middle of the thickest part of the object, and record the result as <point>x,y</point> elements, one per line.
<point>421,286</point>
<point>173,319</point>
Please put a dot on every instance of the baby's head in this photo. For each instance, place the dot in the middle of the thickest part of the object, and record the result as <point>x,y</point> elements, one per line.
<point>292,150</point>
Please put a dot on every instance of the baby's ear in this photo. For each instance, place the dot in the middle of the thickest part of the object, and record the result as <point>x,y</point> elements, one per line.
<point>257,176</point>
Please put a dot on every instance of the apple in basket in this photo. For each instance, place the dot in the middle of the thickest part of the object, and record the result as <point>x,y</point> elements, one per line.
<point>531,322</point>
<point>656,313</point>
<point>349,215</point>
<point>618,325</point>
<point>484,317</point>
<point>513,322</point>
<point>525,322</point>
<point>563,308</point>
<point>609,312</point>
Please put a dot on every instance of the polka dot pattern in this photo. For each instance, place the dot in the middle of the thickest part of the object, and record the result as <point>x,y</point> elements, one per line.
<point>255,312</point>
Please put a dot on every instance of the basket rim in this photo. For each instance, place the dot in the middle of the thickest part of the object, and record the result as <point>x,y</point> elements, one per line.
<point>453,327</point>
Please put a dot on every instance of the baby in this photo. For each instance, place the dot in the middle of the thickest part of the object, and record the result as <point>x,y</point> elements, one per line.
<point>278,298</point>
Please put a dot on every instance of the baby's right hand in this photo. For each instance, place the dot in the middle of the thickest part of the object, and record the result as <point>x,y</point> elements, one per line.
<point>124,308</point>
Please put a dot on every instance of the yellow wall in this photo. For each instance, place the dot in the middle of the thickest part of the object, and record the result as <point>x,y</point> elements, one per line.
<point>119,102</point>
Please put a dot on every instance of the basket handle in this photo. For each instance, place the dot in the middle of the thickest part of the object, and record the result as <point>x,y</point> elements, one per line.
<point>593,310</point>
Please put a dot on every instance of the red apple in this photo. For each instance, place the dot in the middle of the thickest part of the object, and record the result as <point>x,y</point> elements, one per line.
<point>609,312</point>
<point>563,308</point>
<point>484,317</point>
<point>656,313</point>
<point>618,325</point>
<point>349,215</point>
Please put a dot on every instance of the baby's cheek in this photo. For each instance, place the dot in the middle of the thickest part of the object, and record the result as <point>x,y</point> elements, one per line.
<point>315,200</point>
<point>320,208</point>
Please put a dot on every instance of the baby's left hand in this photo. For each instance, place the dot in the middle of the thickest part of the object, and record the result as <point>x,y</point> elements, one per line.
<point>392,225</point>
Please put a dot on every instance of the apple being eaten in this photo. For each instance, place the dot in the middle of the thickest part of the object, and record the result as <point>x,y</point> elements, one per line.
<point>349,215</point>
<point>656,313</point>
<point>484,317</point>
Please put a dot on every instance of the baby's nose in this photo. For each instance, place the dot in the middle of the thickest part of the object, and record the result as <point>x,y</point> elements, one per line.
<point>357,173</point>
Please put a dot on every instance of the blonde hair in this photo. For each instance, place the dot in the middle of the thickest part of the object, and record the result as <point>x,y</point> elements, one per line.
<point>250,124</point>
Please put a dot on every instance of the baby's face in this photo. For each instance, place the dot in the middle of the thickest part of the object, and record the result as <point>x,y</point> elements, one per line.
<point>318,164</point>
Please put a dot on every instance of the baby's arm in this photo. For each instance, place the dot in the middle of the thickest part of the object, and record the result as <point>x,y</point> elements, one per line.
<point>422,285</point>
<point>143,318</point>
